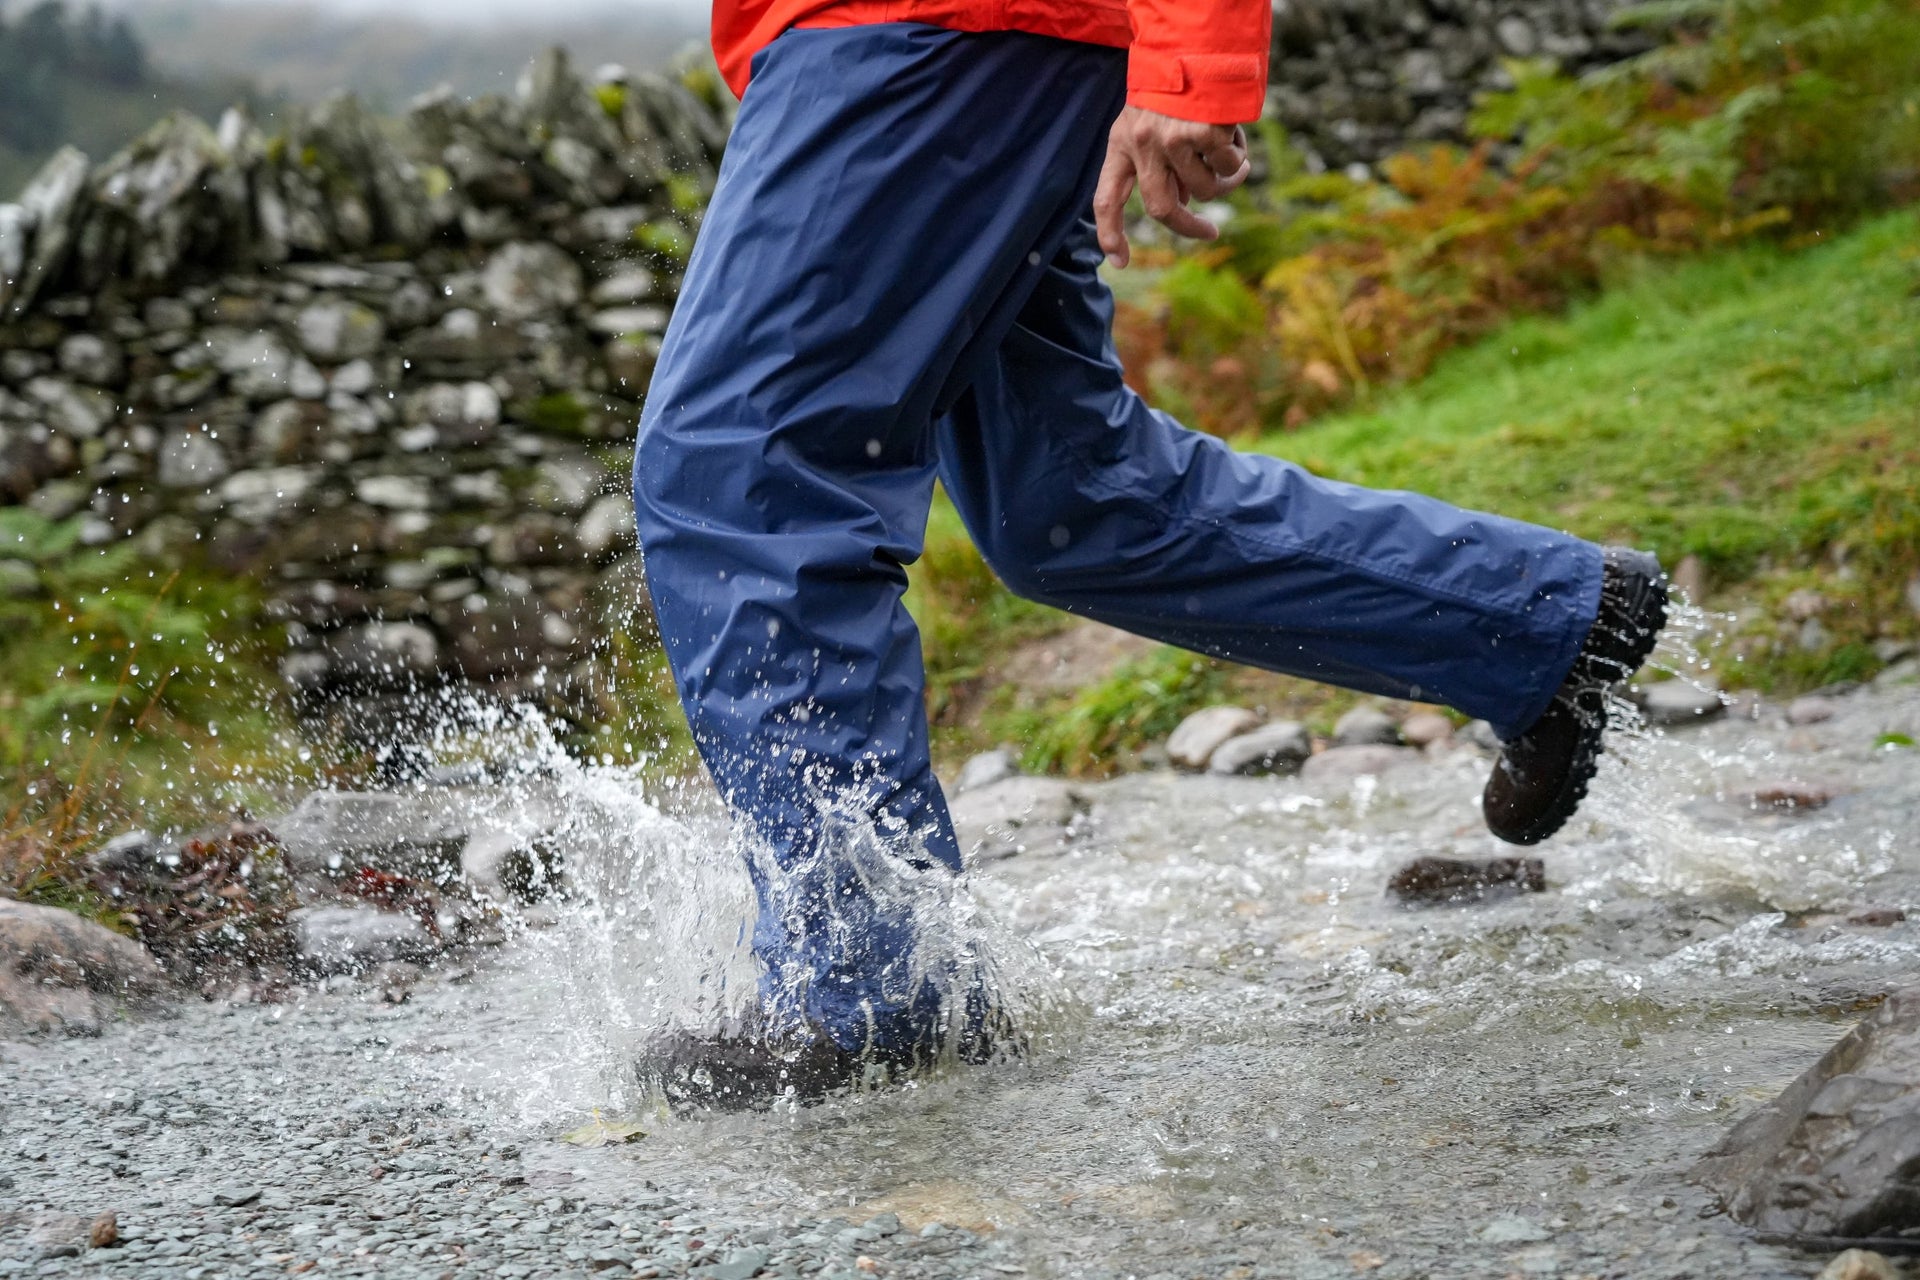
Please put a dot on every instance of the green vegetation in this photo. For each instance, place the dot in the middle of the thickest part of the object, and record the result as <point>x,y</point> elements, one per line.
<point>1757,119</point>
<point>1758,408</point>
<point>132,697</point>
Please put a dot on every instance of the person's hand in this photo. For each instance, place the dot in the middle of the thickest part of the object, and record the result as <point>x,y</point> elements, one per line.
<point>1172,161</point>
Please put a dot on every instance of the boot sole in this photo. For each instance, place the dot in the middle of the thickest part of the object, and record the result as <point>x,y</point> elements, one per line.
<point>1649,609</point>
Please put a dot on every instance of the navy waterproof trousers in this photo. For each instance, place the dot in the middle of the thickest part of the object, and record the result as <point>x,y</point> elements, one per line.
<point>897,280</point>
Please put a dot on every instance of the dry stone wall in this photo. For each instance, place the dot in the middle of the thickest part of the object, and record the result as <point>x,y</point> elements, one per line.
<point>1355,80</point>
<point>392,367</point>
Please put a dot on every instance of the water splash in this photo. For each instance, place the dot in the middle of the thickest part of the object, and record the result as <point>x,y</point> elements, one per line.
<point>647,928</point>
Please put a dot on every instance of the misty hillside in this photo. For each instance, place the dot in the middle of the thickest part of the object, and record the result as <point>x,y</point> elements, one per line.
<point>96,77</point>
<point>305,51</point>
<point>78,76</point>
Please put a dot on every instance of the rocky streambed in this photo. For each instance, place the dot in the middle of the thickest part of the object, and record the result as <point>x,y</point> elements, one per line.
<point>1264,1063</point>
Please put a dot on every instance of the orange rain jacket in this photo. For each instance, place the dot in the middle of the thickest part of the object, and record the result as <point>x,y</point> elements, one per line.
<point>1203,60</point>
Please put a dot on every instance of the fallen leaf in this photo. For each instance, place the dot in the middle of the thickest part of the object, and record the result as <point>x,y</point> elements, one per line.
<point>601,1132</point>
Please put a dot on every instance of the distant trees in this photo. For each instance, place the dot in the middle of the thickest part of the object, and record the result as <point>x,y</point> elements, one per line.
<point>45,54</point>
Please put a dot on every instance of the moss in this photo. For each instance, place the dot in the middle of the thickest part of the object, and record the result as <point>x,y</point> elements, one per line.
<point>612,98</point>
<point>558,412</point>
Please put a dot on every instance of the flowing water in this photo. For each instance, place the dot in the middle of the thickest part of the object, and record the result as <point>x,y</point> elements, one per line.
<point>1259,1059</point>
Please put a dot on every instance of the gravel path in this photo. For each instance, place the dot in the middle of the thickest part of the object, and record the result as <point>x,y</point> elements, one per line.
<point>248,1141</point>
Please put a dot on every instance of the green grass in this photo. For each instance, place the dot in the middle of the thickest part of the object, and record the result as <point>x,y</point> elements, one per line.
<point>1758,409</point>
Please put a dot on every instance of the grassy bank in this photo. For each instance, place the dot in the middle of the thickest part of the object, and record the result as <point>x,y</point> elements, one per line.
<point>1758,409</point>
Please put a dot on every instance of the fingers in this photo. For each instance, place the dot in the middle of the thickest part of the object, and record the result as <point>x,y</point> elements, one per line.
<point>1227,158</point>
<point>1110,204</point>
<point>1164,195</point>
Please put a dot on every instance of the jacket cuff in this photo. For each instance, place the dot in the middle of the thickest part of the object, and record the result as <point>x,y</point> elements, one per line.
<point>1208,88</point>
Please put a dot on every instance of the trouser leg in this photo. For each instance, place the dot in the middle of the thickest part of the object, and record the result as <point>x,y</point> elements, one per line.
<point>890,195</point>
<point>1082,497</point>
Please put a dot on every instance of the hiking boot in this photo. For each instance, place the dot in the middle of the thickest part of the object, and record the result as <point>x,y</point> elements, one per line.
<point>1542,775</point>
<point>742,1069</point>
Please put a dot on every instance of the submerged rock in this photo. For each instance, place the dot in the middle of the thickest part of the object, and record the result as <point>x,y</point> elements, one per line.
<point>1016,815</point>
<point>1836,1157</point>
<point>1790,795</point>
<point>59,972</point>
<point>1463,880</point>
<point>353,938</point>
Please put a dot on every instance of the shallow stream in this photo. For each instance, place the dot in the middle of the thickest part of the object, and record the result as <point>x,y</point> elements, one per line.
<point>1263,1065</point>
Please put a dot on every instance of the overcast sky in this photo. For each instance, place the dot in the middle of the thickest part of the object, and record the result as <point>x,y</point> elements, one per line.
<point>468,12</point>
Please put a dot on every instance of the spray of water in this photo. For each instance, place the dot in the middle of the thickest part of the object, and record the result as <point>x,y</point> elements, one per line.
<point>645,920</point>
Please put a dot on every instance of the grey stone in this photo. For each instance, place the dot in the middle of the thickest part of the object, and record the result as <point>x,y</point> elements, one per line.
<point>1676,703</point>
<point>354,378</point>
<point>568,483</point>
<point>263,494</point>
<point>1811,709</point>
<point>1517,36</point>
<point>384,653</point>
<point>350,939</point>
<point>49,202</point>
<point>257,364</point>
<point>191,460</point>
<point>1831,1157</point>
<point>91,358</point>
<point>306,382</point>
<point>59,972</point>
<point>620,321</point>
<point>1365,726</point>
<point>625,286</point>
<point>1196,738</point>
<point>743,1264</point>
<point>606,526</point>
<point>528,281</point>
<point>1343,764</point>
<point>335,331</point>
<point>395,493</point>
<point>81,412</point>
<point>1512,1229</point>
<point>985,769</point>
<point>1425,728</point>
<point>129,853</point>
<point>1016,815</point>
<point>337,831</point>
<point>1280,747</point>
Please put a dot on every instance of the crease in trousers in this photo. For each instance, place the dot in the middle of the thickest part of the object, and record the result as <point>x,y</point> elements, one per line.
<point>897,281</point>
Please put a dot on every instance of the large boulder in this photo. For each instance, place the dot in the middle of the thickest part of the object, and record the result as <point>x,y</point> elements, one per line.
<point>59,972</point>
<point>1836,1157</point>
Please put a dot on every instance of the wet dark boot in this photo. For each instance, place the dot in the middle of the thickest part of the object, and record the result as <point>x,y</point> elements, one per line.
<point>741,1069</point>
<point>1542,775</point>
